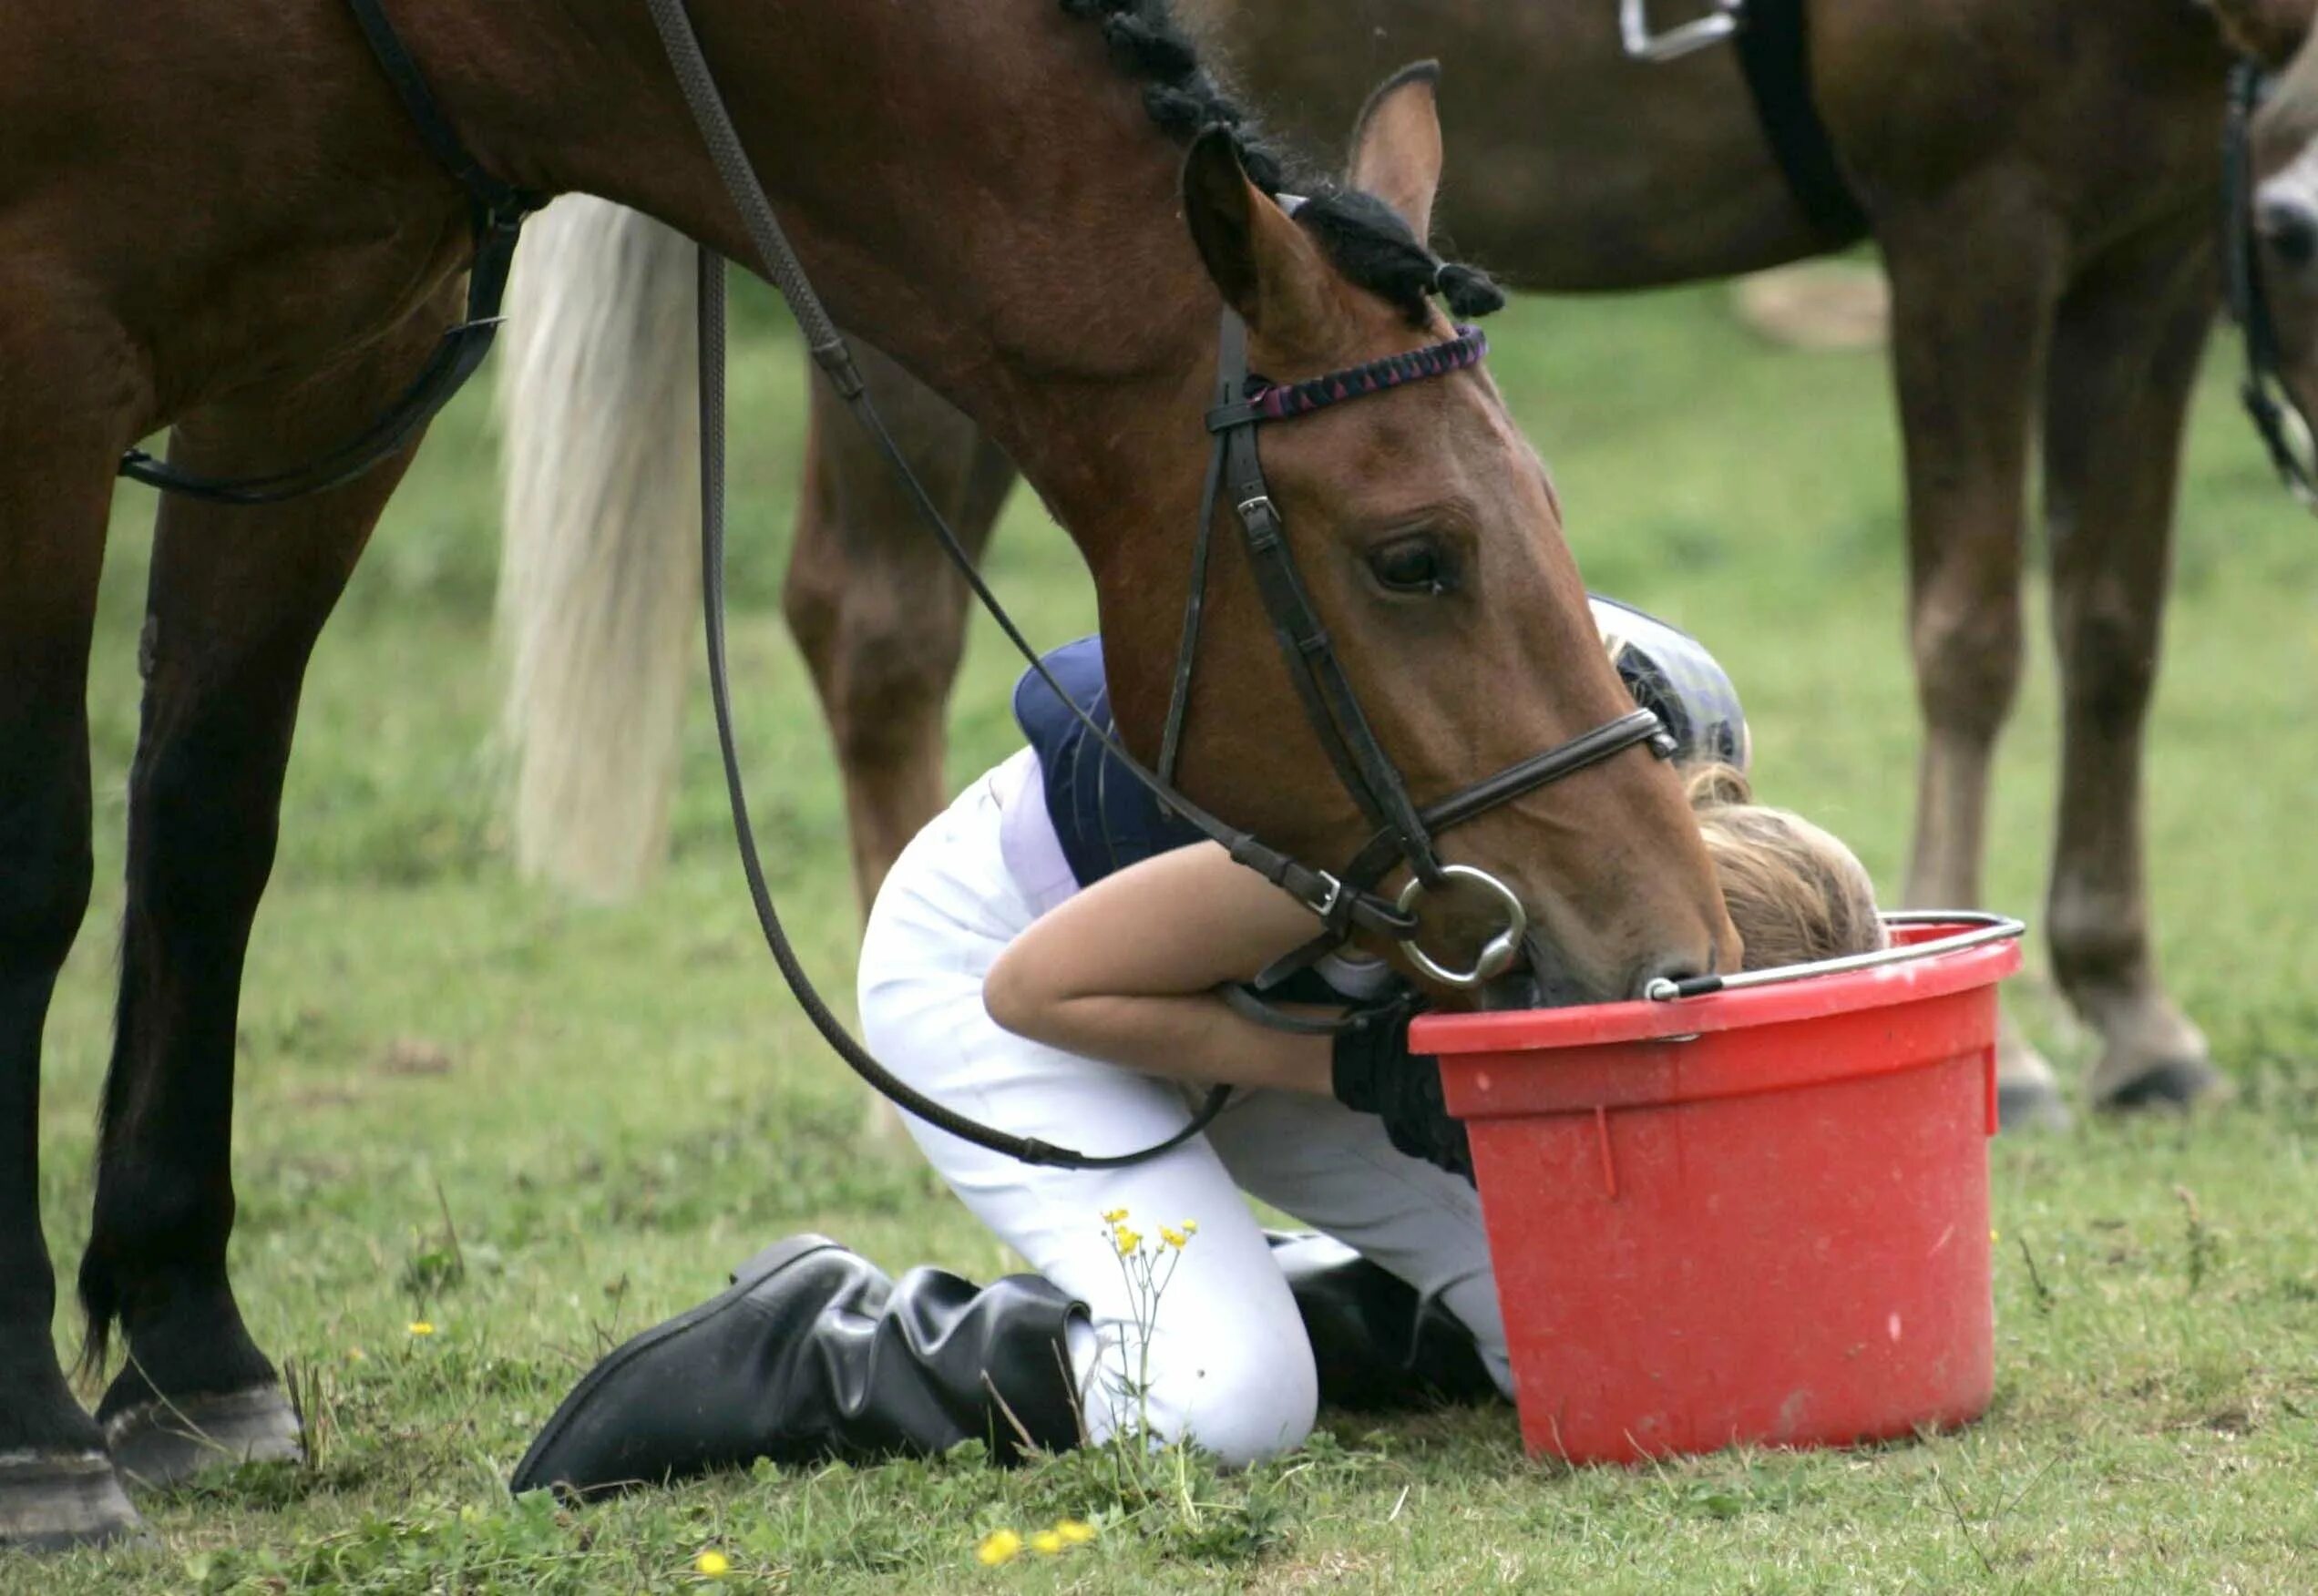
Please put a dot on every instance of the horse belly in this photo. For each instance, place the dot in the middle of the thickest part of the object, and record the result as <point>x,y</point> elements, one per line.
<point>1580,169</point>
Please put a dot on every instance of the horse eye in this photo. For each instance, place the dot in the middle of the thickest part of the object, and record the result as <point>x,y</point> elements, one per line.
<point>1411,564</point>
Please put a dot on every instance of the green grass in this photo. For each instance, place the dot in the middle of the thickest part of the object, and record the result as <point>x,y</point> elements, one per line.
<point>615,1105</point>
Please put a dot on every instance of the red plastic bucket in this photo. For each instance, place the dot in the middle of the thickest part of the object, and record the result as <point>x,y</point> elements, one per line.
<point>1757,1216</point>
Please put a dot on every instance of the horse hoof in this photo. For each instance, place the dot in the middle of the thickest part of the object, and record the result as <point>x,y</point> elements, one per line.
<point>2175,1084</point>
<point>2031,1105</point>
<point>163,1442</point>
<point>52,1501</point>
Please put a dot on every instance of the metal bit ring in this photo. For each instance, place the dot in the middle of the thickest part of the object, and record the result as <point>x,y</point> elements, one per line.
<point>1497,955</point>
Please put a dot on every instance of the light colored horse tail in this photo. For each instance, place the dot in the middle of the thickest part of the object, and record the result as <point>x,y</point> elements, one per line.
<point>598,581</point>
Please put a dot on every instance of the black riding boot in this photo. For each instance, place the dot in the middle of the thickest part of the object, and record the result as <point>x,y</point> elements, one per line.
<point>815,1354</point>
<point>1378,1346</point>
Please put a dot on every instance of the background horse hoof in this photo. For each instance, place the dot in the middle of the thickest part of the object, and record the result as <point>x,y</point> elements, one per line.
<point>162,1442</point>
<point>2155,1059</point>
<point>2031,1105</point>
<point>2166,1083</point>
<point>2028,1094</point>
<point>53,1501</point>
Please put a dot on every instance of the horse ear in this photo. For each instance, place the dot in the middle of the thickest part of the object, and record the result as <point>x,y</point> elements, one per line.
<point>1269,269</point>
<point>1396,144</point>
<point>2270,31</point>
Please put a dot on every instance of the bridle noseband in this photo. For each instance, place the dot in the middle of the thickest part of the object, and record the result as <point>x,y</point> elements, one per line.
<point>2276,414</point>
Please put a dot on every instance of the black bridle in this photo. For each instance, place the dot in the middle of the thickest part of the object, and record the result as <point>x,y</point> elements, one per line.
<point>1403,832</point>
<point>1342,901</point>
<point>1235,471</point>
<point>2277,414</point>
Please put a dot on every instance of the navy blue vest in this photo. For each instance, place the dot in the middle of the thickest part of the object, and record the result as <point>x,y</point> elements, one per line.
<point>1105,819</point>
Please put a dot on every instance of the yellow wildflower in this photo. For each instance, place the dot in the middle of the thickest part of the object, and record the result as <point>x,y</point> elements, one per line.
<point>999,1546</point>
<point>355,1354</point>
<point>1126,1241</point>
<point>1191,1227</point>
<point>1173,1237</point>
<point>1114,1215</point>
<point>421,1328</point>
<point>1075,1531</point>
<point>713,1565</point>
<point>1046,1543</point>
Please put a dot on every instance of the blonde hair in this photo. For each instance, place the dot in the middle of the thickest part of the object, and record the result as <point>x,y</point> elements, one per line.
<point>1795,894</point>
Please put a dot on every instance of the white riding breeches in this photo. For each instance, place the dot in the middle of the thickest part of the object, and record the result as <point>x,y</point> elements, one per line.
<point>1225,1362</point>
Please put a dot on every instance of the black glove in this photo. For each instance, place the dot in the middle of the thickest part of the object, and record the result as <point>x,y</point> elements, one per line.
<point>1374,1073</point>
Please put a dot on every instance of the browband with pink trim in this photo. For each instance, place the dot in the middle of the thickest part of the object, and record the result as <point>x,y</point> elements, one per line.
<point>1269,401</point>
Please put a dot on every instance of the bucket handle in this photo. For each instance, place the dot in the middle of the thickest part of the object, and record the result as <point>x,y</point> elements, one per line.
<point>1982,929</point>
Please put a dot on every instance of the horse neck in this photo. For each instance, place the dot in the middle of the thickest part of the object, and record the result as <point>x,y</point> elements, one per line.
<point>973,187</point>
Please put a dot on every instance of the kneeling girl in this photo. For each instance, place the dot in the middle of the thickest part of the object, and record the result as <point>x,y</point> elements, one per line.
<point>1046,956</point>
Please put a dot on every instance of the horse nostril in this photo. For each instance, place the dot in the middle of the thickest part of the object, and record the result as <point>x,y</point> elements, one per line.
<point>2288,225</point>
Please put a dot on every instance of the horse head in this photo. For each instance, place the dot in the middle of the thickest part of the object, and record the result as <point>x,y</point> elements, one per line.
<point>1427,533</point>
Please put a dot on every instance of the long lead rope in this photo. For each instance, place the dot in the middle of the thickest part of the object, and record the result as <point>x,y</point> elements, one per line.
<point>1331,706</point>
<point>1027,1149</point>
<point>829,350</point>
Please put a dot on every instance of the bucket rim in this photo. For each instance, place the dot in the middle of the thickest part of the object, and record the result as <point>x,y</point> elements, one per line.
<point>1933,974</point>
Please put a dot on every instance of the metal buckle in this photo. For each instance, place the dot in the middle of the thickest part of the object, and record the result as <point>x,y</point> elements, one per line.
<point>1327,906</point>
<point>1259,507</point>
<point>1688,38</point>
<point>1496,955</point>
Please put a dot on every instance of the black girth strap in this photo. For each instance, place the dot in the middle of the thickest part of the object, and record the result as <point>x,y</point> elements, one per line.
<point>1774,49</point>
<point>496,213</point>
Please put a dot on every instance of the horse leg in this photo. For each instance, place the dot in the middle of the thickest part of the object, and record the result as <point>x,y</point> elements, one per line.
<point>1973,287</point>
<point>236,599</point>
<point>2124,360</point>
<point>876,609</point>
<point>57,1487</point>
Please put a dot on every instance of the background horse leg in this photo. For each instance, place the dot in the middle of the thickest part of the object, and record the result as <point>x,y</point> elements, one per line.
<point>878,612</point>
<point>1973,284</point>
<point>2124,359</point>
<point>237,599</point>
<point>873,603</point>
<point>57,1487</point>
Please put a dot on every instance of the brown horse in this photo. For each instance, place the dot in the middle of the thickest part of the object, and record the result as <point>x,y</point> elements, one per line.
<point>995,193</point>
<point>2043,179</point>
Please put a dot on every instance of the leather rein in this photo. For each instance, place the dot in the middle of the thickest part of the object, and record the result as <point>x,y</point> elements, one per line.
<point>1343,902</point>
<point>1235,471</point>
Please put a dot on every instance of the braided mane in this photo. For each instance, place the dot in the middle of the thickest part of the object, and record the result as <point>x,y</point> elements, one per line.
<point>1363,237</point>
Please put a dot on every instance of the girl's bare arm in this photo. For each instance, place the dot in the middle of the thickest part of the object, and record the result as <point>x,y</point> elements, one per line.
<point>1126,972</point>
